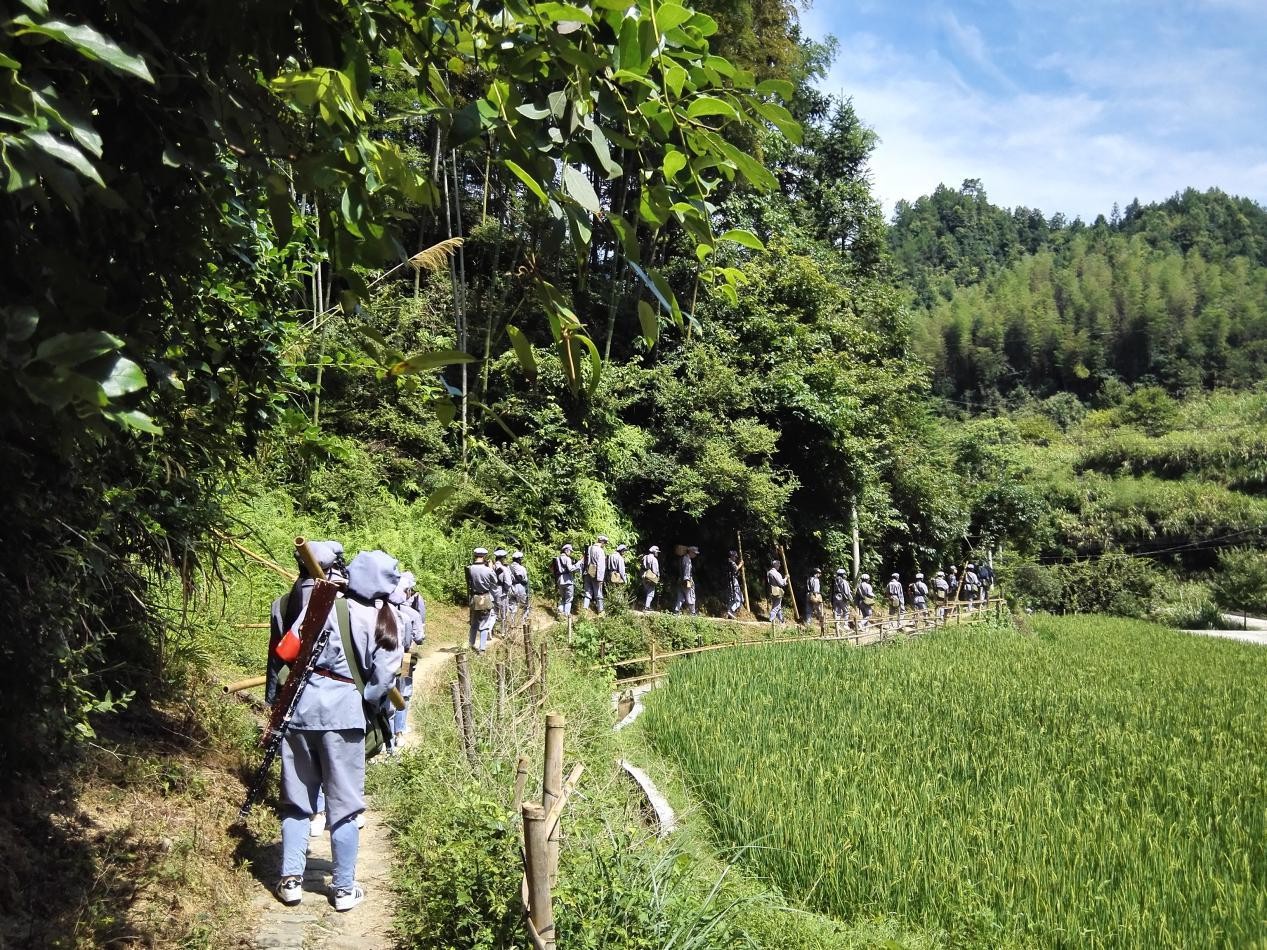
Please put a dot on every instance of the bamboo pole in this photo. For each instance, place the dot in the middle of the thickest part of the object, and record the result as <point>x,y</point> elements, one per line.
<point>458,719</point>
<point>537,866</point>
<point>501,691</point>
<point>468,707</point>
<point>269,563</point>
<point>528,654</point>
<point>521,779</point>
<point>791,588</point>
<point>241,685</point>
<point>552,786</point>
<point>743,572</point>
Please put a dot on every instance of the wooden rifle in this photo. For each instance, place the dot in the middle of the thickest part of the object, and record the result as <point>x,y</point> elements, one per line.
<point>313,635</point>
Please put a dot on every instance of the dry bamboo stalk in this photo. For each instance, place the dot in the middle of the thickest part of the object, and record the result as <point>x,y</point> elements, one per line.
<point>537,865</point>
<point>552,785</point>
<point>249,683</point>
<point>501,691</point>
<point>468,707</point>
<point>457,718</point>
<point>528,653</point>
<point>791,589</point>
<point>556,813</point>
<point>541,673</point>
<point>521,779</point>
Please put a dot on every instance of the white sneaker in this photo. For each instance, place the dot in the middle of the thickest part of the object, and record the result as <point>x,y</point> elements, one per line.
<point>290,890</point>
<point>316,825</point>
<point>345,898</point>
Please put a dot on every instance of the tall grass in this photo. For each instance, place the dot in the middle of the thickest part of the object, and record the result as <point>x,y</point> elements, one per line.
<point>1099,784</point>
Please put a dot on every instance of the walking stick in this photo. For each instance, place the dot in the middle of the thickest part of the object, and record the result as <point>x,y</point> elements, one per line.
<point>791,589</point>
<point>743,571</point>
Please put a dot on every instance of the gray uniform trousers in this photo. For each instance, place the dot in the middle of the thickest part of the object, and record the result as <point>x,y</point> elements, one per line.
<point>329,759</point>
<point>593,592</point>
<point>481,626</point>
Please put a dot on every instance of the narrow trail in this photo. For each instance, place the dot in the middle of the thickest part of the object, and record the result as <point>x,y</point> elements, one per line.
<point>314,924</point>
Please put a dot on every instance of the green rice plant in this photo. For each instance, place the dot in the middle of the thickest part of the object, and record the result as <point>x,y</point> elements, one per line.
<point>1100,783</point>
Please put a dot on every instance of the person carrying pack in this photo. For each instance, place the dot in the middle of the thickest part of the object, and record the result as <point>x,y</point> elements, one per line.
<point>866,599</point>
<point>778,587</point>
<point>481,583</point>
<point>501,593</point>
<point>814,597</point>
<point>565,577</point>
<point>286,609</point>
<point>325,744</point>
<point>734,599</point>
<point>409,624</point>
<point>841,595</point>
<point>986,573</point>
<point>595,574</point>
<point>686,582</point>
<point>650,575</point>
<point>897,598</point>
<point>941,593</point>
<point>971,585</point>
<point>919,593</point>
<point>520,587</point>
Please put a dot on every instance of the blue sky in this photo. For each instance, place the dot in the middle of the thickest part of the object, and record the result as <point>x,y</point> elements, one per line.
<point>1064,105</point>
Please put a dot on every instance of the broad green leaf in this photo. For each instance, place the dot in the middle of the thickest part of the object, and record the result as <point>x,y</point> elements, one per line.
<point>71,349</point>
<point>578,186</point>
<point>675,77</point>
<point>438,497</point>
<point>603,153</point>
<point>429,360</point>
<point>20,323</point>
<point>528,180</point>
<point>139,421</point>
<point>66,153</point>
<point>629,47</point>
<point>126,377</point>
<point>649,321</point>
<point>88,43</point>
<point>710,105</point>
<point>744,237</point>
<point>523,350</point>
<point>702,22</point>
<point>776,87</point>
<point>674,162</point>
<point>557,12</point>
<point>670,15</point>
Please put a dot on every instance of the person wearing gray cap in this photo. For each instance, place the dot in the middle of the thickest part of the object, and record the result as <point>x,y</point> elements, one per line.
<point>519,585</point>
<point>481,586</point>
<point>919,593</point>
<point>735,598</point>
<point>897,597</point>
<point>565,569</point>
<point>941,593</point>
<point>595,574</point>
<point>686,582</point>
<point>841,595</point>
<point>971,584</point>
<point>650,575</point>
<point>866,599</point>
<point>501,594</point>
<point>814,597</point>
<point>778,587</point>
<point>617,572</point>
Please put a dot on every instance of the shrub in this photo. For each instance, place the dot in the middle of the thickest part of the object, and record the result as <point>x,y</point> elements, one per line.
<point>1241,582</point>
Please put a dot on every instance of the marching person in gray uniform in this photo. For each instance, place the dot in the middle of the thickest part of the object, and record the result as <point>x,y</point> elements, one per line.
<point>778,587</point>
<point>650,575</point>
<point>686,582</point>
<point>520,587</point>
<point>986,573</point>
<point>501,594</point>
<point>971,584</point>
<point>565,576</point>
<point>866,599</point>
<point>595,574</point>
<point>481,586</point>
<point>287,608</point>
<point>841,595</point>
<point>941,593</point>
<point>735,588</point>
<point>897,597</point>
<point>617,571</point>
<point>952,580</point>
<point>919,593</point>
<point>409,626</point>
<point>814,597</point>
<point>325,744</point>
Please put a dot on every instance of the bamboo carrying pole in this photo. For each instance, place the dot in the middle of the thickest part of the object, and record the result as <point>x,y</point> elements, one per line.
<point>743,572</point>
<point>791,589</point>
<point>245,684</point>
<point>552,786</point>
<point>537,864</point>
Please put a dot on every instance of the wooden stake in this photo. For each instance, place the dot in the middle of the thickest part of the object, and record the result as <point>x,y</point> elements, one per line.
<point>457,718</point>
<point>537,865</point>
<point>468,708</point>
<point>552,786</point>
<point>541,673</point>
<point>501,691</point>
<point>791,588</point>
<point>528,653</point>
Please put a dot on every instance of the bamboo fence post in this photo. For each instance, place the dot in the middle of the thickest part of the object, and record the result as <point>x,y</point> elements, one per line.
<point>528,653</point>
<point>552,786</point>
<point>743,572</point>
<point>521,780</point>
<point>791,588</point>
<point>459,719</point>
<point>653,657</point>
<point>537,866</point>
<point>541,673</point>
<point>501,691</point>
<point>822,621</point>
<point>468,707</point>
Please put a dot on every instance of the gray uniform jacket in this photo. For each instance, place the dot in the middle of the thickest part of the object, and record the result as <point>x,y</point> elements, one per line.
<point>865,590</point>
<point>409,626</point>
<point>733,572</point>
<point>895,590</point>
<point>519,576</point>
<point>332,704</point>
<point>504,578</point>
<point>651,563</point>
<point>598,557</point>
<point>814,586</point>
<point>920,590</point>
<point>565,569</point>
<point>480,579</point>
<point>776,579</point>
<point>840,589</point>
<point>687,569</point>
<point>616,565</point>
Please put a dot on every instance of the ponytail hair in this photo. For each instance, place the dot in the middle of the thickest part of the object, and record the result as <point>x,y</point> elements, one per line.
<point>386,632</point>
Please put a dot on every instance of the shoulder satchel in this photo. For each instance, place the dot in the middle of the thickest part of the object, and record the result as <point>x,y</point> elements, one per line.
<point>378,724</point>
<point>479,602</point>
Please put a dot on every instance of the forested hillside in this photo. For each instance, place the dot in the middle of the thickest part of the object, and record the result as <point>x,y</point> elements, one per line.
<point>1014,304</point>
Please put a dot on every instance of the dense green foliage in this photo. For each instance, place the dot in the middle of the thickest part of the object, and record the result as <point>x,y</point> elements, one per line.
<point>1173,293</point>
<point>1098,784</point>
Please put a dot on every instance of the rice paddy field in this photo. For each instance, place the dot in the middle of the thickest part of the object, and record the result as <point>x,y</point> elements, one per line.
<point>1099,783</point>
